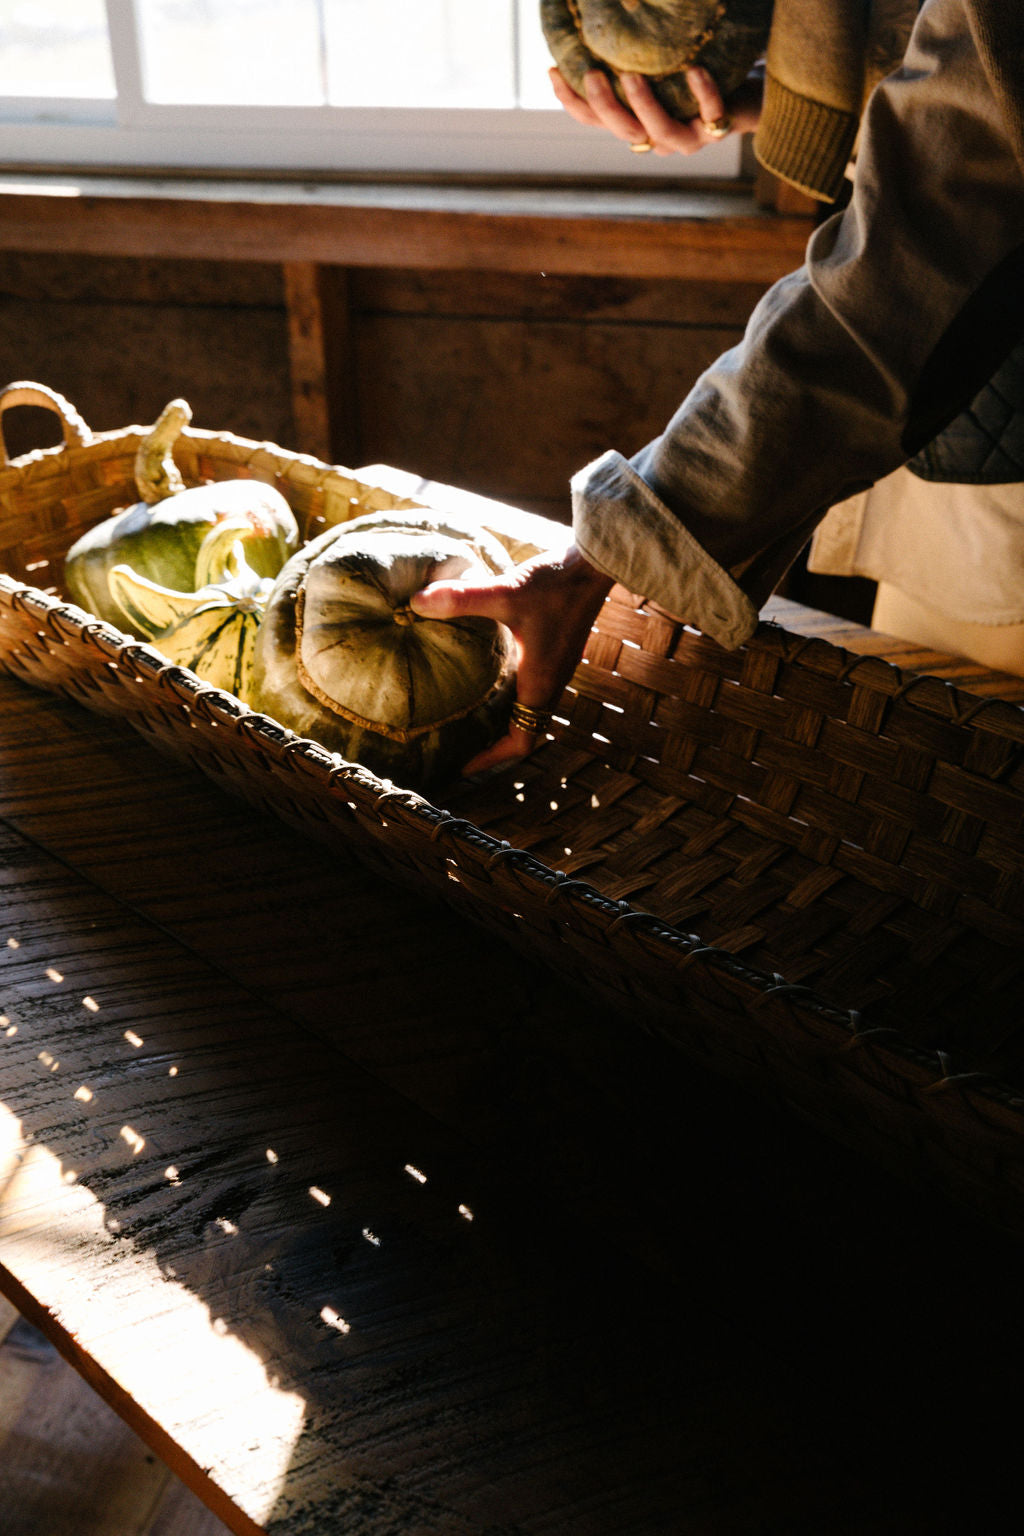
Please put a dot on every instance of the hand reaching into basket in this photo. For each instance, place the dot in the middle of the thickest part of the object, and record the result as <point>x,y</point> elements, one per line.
<point>645,125</point>
<point>550,604</point>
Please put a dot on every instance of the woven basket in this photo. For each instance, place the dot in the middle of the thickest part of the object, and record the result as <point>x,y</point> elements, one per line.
<point>804,865</point>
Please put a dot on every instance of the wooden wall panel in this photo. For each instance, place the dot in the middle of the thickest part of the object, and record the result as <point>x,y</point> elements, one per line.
<point>507,387</point>
<point>502,382</point>
<point>121,338</point>
<point>547,294</point>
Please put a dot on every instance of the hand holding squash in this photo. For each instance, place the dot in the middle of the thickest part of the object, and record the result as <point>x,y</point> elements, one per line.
<point>661,40</point>
<point>549,605</point>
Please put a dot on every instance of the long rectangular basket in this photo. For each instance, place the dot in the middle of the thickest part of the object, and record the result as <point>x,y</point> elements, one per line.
<point>803,864</point>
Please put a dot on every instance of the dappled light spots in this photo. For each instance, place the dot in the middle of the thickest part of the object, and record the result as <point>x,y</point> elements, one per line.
<point>53,973</point>
<point>172,1071</point>
<point>84,1095</point>
<point>173,1176</point>
<point>414,1173</point>
<point>272,1156</point>
<point>319,1195</point>
<point>49,1061</point>
<point>134,1140</point>
<point>13,944</point>
<point>335,1320</point>
<point>371,1237</point>
<point>466,1213</point>
<point>227,1227</point>
<point>132,1038</point>
<point>91,1003</point>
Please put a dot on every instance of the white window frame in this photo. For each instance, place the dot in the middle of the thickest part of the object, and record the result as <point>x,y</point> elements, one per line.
<point>132,132</point>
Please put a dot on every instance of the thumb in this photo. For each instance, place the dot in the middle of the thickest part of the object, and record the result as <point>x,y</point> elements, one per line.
<point>460,599</point>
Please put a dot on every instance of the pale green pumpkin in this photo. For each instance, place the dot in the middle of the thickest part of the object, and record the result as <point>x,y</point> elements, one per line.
<point>160,536</point>
<point>341,657</point>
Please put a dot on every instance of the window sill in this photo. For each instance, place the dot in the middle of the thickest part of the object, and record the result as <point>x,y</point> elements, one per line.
<point>711,232</point>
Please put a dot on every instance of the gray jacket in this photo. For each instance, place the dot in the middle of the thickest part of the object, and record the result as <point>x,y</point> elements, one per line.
<point>907,303</point>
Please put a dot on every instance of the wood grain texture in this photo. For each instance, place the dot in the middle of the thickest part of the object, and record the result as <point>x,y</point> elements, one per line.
<point>551,296</point>
<point>512,408</point>
<point>121,362</point>
<point>69,1466</point>
<point>660,234</point>
<point>322,369</point>
<point>663,1319</point>
<point>214,1216</point>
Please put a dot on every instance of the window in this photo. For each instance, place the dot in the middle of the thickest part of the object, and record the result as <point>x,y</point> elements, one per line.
<point>428,86</point>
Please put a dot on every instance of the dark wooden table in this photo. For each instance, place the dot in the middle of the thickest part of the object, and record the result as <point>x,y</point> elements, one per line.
<point>369,1226</point>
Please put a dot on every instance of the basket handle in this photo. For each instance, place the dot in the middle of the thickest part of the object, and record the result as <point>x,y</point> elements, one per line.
<point>21,392</point>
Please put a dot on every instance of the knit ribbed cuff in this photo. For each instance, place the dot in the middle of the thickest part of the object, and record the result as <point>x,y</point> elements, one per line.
<point>804,142</point>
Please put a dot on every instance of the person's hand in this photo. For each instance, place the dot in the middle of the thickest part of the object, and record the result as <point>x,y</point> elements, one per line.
<point>645,122</point>
<point>549,603</point>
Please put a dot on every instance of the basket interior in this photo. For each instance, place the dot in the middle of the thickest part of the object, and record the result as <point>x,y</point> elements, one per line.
<point>819,814</point>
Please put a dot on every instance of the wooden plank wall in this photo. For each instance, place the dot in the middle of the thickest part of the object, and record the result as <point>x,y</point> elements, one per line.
<point>502,382</point>
<point>121,337</point>
<point>510,383</point>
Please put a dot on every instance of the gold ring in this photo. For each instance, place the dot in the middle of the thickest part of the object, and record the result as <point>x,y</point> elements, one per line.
<point>642,148</point>
<point>534,721</point>
<point>718,128</point>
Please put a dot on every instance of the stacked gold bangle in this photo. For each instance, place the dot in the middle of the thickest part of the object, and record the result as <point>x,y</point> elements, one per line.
<point>534,721</point>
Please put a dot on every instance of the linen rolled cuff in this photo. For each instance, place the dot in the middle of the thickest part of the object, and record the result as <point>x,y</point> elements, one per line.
<point>628,533</point>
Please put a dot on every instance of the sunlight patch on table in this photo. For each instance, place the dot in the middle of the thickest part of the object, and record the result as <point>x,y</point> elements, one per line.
<point>193,1359</point>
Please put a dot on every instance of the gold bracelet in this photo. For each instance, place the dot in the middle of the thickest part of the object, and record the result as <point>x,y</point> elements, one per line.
<point>533,721</point>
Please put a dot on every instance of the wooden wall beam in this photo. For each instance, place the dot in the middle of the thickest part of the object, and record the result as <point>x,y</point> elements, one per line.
<point>319,353</point>
<point>717,236</point>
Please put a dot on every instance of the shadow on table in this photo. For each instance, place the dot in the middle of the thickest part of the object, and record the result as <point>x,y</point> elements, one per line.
<point>517,1266</point>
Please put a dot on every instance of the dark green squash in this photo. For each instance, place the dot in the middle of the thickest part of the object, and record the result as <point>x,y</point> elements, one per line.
<point>341,657</point>
<point>660,39</point>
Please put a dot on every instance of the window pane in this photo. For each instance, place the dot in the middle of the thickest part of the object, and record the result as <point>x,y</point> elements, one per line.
<point>241,52</point>
<point>534,60</point>
<point>420,53</point>
<point>55,48</point>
